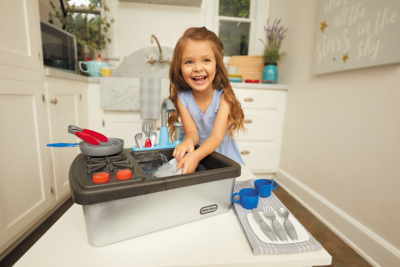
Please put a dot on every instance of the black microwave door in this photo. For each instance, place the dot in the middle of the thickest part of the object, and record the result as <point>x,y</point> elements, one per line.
<point>59,48</point>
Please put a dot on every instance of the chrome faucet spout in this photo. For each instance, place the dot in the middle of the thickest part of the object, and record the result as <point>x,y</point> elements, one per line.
<point>166,107</point>
<point>153,37</point>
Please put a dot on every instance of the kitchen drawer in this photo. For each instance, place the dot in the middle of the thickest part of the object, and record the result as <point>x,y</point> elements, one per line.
<point>261,124</point>
<point>258,156</point>
<point>252,98</point>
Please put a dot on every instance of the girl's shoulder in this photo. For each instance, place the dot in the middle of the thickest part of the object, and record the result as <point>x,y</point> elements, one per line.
<point>184,97</point>
<point>218,94</point>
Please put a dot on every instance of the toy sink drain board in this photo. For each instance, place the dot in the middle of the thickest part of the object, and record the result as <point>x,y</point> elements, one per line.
<point>124,207</point>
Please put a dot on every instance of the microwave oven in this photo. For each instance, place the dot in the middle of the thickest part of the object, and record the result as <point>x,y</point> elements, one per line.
<point>59,48</point>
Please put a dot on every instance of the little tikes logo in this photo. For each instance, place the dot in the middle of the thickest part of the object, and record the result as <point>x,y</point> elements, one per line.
<point>208,209</point>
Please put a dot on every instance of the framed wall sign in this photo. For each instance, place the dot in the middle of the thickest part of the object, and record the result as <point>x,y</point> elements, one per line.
<point>354,34</point>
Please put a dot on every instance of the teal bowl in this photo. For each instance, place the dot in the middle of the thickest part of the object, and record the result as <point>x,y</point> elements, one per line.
<point>235,80</point>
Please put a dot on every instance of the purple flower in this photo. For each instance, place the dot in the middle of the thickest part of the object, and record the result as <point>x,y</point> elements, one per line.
<point>274,34</point>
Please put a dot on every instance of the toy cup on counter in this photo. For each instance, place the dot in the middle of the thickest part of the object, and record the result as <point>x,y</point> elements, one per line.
<point>106,71</point>
<point>94,67</point>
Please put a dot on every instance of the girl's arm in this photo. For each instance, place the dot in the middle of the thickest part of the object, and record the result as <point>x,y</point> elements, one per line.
<point>190,162</point>
<point>191,133</point>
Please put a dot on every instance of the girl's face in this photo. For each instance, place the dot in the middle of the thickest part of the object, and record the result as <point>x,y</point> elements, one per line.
<point>198,65</point>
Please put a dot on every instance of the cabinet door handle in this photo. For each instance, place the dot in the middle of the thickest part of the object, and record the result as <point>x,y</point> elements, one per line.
<point>54,101</point>
<point>248,99</point>
<point>245,152</point>
<point>247,121</point>
<point>158,128</point>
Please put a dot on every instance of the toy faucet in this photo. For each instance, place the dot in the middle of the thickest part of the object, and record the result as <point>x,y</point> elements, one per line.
<point>166,107</point>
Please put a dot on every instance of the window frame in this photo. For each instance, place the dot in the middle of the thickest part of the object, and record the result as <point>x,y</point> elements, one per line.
<point>100,11</point>
<point>258,15</point>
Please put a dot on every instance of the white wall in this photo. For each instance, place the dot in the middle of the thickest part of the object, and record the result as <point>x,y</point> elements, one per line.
<point>135,23</point>
<point>341,140</point>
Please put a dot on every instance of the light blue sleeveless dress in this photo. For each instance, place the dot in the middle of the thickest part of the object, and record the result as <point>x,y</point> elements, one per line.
<point>205,123</point>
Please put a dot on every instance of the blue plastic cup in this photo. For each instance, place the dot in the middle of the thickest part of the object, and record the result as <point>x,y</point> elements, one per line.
<point>265,186</point>
<point>248,198</point>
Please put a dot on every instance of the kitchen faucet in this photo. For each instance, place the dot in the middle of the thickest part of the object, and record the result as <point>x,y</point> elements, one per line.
<point>161,60</point>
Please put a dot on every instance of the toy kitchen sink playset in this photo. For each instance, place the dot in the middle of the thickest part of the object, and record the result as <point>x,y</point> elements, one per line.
<point>122,200</point>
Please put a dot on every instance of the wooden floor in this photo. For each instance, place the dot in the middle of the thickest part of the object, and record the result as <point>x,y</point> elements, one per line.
<point>341,253</point>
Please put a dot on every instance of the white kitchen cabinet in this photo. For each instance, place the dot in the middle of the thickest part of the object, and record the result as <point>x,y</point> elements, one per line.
<point>25,177</point>
<point>124,125</point>
<point>25,188</point>
<point>19,38</point>
<point>263,107</point>
<point>66,105</point>
<point>29,172</point>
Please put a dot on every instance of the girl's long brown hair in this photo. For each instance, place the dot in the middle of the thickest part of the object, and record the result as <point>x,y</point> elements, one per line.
<point>221,80</point>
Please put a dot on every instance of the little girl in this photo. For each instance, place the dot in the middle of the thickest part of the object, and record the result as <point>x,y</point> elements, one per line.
<point>205,101</point>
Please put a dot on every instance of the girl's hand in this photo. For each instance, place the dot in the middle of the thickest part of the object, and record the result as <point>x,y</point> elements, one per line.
<point>181,149</point>
<point>188,163</point>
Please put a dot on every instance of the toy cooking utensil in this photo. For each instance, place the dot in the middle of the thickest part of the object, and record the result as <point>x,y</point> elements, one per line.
<point>72,129</point>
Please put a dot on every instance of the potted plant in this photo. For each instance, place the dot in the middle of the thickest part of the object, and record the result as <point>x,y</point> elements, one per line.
<point>273,38</point>
<point>89,27</point>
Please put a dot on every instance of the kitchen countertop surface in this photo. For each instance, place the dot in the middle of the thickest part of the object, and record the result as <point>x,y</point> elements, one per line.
<point>215,241</point>
<point>52,72</point>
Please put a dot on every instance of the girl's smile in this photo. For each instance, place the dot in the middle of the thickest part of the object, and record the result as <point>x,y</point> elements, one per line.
<point>198,65</point>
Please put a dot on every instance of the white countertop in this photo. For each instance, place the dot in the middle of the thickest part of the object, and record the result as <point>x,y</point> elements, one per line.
<point>56,73</point>
<point>52,72</point>
<point>214,241</point>
<point>259,86</point>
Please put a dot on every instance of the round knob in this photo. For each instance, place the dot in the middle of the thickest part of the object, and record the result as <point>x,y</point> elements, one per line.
<point>101,177</point>
<point>124,174</point>
<point>54,101</point>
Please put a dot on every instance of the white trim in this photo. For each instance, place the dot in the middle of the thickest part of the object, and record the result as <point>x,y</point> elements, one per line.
<point>365,242</point>
<point>261,21</point>
<point>247,20</point>
<point>210,14</point>
<point>253,24</point>
<point>257,19</point>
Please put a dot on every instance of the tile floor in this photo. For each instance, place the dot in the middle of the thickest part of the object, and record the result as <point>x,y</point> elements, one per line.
<point>342,254</point>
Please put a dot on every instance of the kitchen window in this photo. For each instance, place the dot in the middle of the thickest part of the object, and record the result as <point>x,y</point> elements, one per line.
<point>239,24</point>
<point>235,22</point>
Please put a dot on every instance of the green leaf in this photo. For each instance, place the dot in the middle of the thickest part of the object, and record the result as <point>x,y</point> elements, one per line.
<point>94,27</point>
<point>105,29</point>
<point>81,42</point>
<point>108,25</point>
<point>109,40</point>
